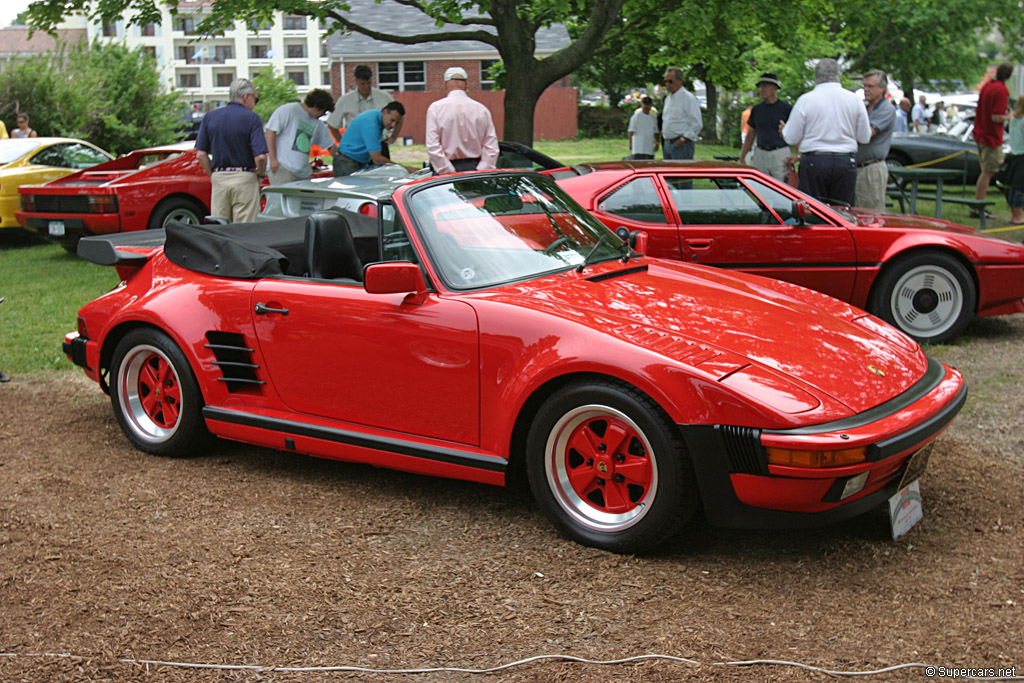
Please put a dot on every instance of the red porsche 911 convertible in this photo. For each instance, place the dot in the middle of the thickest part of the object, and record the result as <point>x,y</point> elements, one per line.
<point>927,277</point>
<point>481,324</point>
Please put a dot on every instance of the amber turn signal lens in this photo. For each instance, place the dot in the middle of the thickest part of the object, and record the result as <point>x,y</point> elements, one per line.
<point>786,456</point>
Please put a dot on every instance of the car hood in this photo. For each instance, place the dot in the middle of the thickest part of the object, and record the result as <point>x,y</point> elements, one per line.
<point>749,332</point>
<point>884,219</point>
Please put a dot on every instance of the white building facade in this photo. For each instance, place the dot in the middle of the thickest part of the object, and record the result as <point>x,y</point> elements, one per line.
<point>202,67</point>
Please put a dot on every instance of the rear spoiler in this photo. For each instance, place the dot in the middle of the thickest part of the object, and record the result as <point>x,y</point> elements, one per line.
<point>122,249</point>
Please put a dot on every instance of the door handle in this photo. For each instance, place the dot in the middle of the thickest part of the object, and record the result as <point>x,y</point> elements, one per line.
<point>699,243</point>
<point>263,309</point>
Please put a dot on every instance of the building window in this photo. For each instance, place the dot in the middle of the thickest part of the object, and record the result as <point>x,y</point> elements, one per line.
<point>298,77</point>
<point>486,78</point>
<point>222,53</point>
<point>256,25</point>
<point>223,79</point>
<point>148,29</point>
<point>258,51</point>
<point>150,50</point>
<point>325,78</point>
<point>295,51</point>
<point>188,80</point>
<point>109,29</point>
<point>401,76</point>
<point>186,25</point>
<point>293,23</point>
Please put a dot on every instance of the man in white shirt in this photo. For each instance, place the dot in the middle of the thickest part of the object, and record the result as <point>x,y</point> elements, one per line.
<point>826,125</point>
<point>460,131</point>
<point>353,103</point>
<point>643,131</point>
<point>681,121</point>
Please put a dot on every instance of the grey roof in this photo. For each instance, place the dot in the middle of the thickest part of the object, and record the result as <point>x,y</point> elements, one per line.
<point>391,17</point>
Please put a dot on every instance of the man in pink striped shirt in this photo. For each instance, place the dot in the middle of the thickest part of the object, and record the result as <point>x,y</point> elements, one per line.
<point>460,131</point>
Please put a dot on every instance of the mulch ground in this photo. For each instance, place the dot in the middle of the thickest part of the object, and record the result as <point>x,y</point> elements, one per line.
<point>110,558</point>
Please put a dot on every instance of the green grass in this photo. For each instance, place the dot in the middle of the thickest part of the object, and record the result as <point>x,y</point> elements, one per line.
<point>611,149</point>
<point>43,287</point>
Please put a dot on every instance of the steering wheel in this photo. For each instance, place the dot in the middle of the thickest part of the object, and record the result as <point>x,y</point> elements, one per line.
<point>551,248</point>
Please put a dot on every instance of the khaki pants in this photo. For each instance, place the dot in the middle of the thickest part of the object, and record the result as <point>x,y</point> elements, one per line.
<point>872,181</point>
<point>235,195</point>
<point>282,175</point>
<point>772,163</point>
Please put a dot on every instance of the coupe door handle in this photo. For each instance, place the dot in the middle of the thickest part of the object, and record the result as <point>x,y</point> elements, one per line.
<point>263,309</point>
<point>699,243</point>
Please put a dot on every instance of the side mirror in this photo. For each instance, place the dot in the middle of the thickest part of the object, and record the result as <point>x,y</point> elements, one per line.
<point>638,240</point>
<point>396,278</point>
<point>801,210</point>
<point>622,232</point>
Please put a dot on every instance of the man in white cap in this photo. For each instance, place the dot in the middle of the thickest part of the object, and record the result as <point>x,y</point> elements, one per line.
<point>460,131</point>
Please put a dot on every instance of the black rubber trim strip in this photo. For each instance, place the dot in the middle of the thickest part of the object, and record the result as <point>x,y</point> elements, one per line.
<point>617,273</point>
<point>379,443</point>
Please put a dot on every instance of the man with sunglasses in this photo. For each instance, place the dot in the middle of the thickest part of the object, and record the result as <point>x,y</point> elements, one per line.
<point>681,118</point>
<point>233,136</point>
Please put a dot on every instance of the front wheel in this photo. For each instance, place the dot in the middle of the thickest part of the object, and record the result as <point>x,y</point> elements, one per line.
<point>929,296</point>
<point>608,469</point>
<point>155,395</point>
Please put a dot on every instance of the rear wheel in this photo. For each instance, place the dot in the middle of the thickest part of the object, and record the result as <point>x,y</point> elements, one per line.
<point>929,296</point>
<point>176,209</point>
<point>155,395</point>
<point>608,469</point>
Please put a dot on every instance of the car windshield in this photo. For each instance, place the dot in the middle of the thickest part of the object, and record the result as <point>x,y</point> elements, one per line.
<point>490,230</point>
<point>13,149</point>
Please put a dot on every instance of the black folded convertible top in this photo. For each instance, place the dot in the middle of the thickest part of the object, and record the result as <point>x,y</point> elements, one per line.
<point>239,250</point>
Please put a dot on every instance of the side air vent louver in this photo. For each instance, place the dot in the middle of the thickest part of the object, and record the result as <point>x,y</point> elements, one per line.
<point>234,360</point>
<point>746,454</point>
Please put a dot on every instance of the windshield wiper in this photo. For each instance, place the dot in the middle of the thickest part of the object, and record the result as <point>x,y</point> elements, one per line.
<point>586,259</point>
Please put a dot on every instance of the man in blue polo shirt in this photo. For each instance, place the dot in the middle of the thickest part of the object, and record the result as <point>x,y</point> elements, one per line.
<point>233,135</point>
<point>360,146</point>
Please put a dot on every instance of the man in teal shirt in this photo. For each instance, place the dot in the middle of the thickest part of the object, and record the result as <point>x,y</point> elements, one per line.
<point>360,146</point>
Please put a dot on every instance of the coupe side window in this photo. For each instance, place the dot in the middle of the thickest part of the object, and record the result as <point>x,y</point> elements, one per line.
<point>717,201</point>
<point>782,204</point>
<point>52,156</point>
<point>637,200</point>
<point>83,156</point>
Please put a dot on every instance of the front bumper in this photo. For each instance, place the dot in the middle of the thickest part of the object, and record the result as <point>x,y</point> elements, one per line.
<point>740,489</point>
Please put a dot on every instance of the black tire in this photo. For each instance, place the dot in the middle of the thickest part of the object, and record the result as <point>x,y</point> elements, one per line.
<point>649,490</point>
<point>897,158</point>
<point>929,295</point>
<point>176,209</point>
<point>155,396</point>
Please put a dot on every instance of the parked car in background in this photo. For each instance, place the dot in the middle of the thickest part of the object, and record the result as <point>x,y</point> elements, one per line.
<point>142,189</point>
<point>954,149</point>
<point>25,161</point>
<point>479,325</point>
<point>927,277</point>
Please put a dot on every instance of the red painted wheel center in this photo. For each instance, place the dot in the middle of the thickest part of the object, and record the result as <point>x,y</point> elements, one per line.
<point>607,465</point>
<point>159,391</point>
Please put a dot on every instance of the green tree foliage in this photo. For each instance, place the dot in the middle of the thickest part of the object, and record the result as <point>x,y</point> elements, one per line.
<point>274,89</point>
<point>104,93</point>
<point>509,26</point>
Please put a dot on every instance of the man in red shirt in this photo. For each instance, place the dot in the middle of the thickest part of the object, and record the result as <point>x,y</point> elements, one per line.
<point>993,101</point>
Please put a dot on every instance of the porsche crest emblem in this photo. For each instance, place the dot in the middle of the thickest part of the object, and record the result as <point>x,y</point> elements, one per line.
<point>602,467</point>
<point>877,371</point>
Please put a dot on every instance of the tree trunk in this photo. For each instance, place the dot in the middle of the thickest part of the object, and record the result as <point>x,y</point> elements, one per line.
<point>712,134</point>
